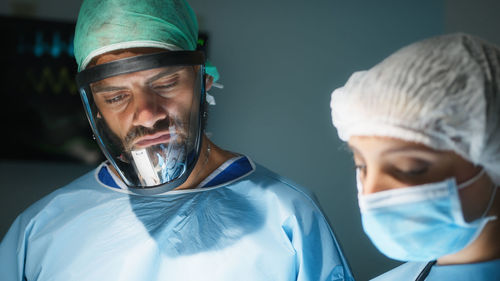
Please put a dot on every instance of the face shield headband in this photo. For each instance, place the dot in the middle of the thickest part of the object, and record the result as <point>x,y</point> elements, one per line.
<point>146,116</point>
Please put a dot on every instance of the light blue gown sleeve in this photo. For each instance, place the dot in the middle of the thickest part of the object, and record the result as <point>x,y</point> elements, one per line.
<point>318,252</point>
<point>481,271</point>
<point>14,245</point>
<point>12,253</point>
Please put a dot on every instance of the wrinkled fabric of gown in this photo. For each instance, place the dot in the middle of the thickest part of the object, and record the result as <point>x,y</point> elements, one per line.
<point>244,223</point>
<point>483,271</point>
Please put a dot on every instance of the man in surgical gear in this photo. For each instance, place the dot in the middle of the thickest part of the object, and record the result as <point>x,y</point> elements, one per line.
<point>424,129</point>
<point>168,204</point>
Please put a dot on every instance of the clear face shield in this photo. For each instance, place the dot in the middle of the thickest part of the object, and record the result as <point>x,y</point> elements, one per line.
<point>146,115</point>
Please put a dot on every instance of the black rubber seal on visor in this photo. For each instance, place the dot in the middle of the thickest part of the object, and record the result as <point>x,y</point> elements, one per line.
<point>138,63</point>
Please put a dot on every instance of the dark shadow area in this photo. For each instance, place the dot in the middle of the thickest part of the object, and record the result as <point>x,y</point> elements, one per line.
<point>191,223</point>
<point>42,108</point>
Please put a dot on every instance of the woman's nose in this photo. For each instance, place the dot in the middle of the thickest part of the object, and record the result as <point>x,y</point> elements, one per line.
<point>376,181</point>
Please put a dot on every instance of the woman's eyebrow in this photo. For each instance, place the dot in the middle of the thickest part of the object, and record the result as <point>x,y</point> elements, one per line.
<point>407,149</point>
<point>352,149</point>
<point>355,152</point>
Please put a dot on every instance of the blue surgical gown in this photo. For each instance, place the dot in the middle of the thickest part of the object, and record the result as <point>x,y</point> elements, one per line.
<point>253,225</point>
<point>483,271</point>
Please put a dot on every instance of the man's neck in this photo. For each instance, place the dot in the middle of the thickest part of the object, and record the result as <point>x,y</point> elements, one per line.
<point>210,158</point>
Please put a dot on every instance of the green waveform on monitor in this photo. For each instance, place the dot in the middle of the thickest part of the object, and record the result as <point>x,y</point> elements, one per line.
<point>52,81</point>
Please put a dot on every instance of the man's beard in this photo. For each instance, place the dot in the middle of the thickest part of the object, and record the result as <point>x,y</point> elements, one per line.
<point>120,149</point>
<point>167,160</point>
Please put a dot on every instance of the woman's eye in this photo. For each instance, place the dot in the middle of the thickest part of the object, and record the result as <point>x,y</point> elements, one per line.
<point>416,171</point>
<point>411,167</point>
<point>411,171</point>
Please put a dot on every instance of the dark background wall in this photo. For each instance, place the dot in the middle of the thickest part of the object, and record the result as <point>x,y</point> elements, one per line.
<point>279,61</point>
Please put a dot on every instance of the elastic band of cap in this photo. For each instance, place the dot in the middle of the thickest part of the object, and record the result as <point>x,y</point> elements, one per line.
<point>126,45</point>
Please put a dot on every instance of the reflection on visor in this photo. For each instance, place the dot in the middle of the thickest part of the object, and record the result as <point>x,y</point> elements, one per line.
<point>160,163</point>
<point>148,121</point>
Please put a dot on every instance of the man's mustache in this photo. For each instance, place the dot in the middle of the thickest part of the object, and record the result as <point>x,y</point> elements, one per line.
<point>140,131</point>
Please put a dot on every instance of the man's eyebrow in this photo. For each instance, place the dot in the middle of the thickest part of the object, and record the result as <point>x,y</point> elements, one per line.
<point>97,89</point>
<point>166,72</point>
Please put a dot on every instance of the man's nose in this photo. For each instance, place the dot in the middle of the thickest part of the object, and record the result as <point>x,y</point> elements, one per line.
<point>148,109</point>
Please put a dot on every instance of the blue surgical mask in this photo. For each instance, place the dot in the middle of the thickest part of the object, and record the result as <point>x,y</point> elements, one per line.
<point>420,223</point>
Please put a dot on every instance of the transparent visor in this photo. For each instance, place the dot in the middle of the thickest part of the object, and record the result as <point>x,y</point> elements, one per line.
<point>145,113</point>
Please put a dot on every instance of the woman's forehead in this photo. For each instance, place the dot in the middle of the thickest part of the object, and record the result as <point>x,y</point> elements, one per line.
<point>376,146</point>
<point>384,142</point>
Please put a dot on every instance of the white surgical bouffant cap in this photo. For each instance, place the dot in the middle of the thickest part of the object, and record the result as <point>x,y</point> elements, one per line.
<point>442,92</point>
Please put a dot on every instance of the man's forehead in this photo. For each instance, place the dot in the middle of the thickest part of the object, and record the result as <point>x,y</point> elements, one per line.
<point>146,76</point>
<point>122,54</point>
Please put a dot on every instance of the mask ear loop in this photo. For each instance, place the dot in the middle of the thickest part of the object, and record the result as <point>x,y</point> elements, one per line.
<point>493,193</point>
<point>490,203</point>
<point>472,180</point>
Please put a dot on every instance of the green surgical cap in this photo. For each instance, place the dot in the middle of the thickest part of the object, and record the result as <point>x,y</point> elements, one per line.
<point>109,25</point>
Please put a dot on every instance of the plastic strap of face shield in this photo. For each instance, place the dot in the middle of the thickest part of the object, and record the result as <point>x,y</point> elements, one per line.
<point>137,63</point>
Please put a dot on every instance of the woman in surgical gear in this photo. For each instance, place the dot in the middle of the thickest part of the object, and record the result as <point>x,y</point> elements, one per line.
<point>424,129</point>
